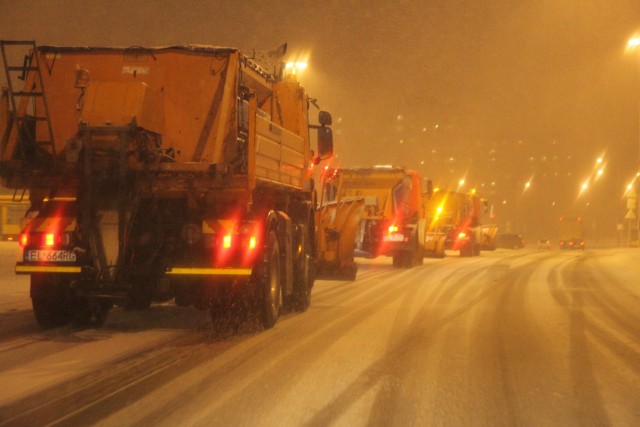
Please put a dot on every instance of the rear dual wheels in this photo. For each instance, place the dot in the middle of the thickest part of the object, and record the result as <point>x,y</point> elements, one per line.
<point>408,259</point>
<point>55,303</point>
<point>269,280</point>
<point>465,251</point>
<point>304,274</point>
<point>229,309</point>
<point>270,284</point>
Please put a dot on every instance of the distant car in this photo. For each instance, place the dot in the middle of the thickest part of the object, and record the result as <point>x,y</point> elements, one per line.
<point>574,243</point>
<point>509,241</point>
<point>544,244</point>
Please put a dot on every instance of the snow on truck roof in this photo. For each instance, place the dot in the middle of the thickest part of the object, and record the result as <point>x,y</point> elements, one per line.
<point>189,48</point>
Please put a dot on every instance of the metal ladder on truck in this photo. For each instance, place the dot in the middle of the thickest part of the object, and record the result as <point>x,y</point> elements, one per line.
<point>24,126</point>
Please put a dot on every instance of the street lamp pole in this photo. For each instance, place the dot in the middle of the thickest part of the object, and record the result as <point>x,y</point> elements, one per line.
<point>520,228</point>
<point>633,46</point>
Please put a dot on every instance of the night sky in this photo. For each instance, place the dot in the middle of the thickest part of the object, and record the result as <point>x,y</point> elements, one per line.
<point>497,92</point>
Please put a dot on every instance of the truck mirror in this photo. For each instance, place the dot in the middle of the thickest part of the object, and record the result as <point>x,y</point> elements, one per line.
<point>324,117</point>
<point>325,142</point>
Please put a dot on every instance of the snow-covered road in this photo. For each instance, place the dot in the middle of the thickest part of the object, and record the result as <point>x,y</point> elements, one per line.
<point>508,338</point>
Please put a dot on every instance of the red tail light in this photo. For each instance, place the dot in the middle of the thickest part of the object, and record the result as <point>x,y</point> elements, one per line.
<point>51,239</point>
<point>253,243</point>
<point>237,243</point>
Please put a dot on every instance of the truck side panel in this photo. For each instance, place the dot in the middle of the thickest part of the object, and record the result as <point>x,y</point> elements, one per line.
<point>279,154</point>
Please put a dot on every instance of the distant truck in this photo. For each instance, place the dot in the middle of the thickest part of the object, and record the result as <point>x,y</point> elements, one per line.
<point>162,173</point>
<point>393,222</point>
<point>456,217</point>
<point>571,233</point>
<point>12,216</point>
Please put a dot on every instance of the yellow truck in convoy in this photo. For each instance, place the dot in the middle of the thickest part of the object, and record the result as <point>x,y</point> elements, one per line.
<point>455,220</point>
<point>156,173</point>
<point>393,223</point>
<point>571,233</point>
<point>12,212</point>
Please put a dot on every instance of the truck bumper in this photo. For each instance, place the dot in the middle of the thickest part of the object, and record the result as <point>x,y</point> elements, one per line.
<point>391,248</point>
<point>23,268</point>
<point>189,271</point>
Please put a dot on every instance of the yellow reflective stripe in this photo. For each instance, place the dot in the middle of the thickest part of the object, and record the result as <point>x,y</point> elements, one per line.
<point>54,223</point>
<point>47,269</point>
<point>173,271</point>
<point>211,271</point>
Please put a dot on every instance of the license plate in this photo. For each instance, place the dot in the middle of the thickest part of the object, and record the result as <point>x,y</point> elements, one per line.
<point>393,238</point>
<point>49,256</point>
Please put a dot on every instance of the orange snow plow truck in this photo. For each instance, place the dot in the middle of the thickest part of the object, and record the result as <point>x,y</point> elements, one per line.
<point>393,222</point>
<point>158,173</point>
<point>457,217</point>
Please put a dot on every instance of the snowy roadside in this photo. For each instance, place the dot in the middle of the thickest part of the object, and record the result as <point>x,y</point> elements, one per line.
<point>10,283</point>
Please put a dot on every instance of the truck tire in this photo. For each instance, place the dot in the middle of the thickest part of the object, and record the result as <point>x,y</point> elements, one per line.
<point>398,259</point>
<point>351,272</point>
<point>303,277</point>
<point>49,300</point>
<point>417,256</point>
<point>407,259</point>
<point>475,246</point>
<point>270,284</point>
<point>465,251</point>
<point>410,259</point>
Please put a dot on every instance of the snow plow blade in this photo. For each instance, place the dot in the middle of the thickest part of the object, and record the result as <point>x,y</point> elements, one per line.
<point>337,226</point>
<point>488,237</point>
<point>434,244</point>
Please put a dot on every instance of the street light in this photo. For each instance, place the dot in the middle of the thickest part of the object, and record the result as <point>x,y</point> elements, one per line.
<point>629,187</point>
<point>583,187</point>
<point>519,224</point>
<point>633,43</point>
<point>633,47</point>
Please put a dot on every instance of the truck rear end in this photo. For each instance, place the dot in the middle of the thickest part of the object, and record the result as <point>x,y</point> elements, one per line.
<point>454,217</point>
<point>156,173</point>
<point>571,236</point>
<point>390,222</point>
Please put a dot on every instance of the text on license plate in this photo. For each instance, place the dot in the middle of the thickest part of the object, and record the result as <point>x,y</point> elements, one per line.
<point>49,256</point>
<point>393,238</point>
